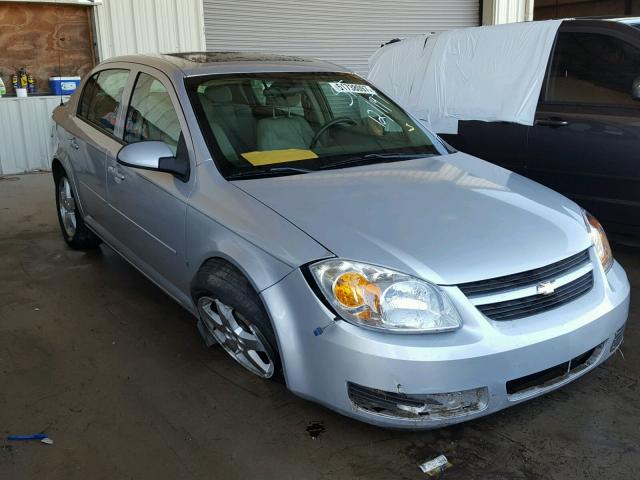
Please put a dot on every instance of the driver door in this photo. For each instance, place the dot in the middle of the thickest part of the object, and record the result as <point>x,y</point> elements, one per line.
<point>149,207</point>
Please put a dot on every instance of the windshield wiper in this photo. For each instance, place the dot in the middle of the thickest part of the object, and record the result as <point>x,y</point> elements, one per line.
<point>367,159</point>
<point>289,169</point>
<point>267,171</point>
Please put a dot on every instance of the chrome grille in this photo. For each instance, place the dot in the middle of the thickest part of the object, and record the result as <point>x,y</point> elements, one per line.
<point>517,296</point>
<point>484,287</point>
<point>527,306</point>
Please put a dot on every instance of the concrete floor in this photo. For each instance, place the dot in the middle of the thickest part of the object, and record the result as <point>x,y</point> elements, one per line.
<point>114,371</point>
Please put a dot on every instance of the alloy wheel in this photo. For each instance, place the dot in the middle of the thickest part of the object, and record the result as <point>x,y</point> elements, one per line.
<point>236,334</point>
<point>67,207</point>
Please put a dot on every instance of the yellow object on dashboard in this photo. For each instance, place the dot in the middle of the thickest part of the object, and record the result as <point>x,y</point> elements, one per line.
<point>269,157</point>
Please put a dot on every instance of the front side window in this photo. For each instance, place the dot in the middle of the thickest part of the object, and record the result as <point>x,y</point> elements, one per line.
<point>151,115</point>
<point>283,122</point>
<point>593,68</point>
<point>101,98</point>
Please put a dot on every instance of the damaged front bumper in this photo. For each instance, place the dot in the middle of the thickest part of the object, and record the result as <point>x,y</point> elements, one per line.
<point>433,380</point>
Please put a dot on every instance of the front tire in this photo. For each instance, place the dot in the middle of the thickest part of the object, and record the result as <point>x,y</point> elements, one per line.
<point>232,314</point>
<point>74,230</point>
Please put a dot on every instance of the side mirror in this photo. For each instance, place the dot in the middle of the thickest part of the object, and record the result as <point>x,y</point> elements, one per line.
<point>153,155</point>
<point>635,89</point>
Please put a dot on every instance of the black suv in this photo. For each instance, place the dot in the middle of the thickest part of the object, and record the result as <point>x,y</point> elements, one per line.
<point>585,142</point>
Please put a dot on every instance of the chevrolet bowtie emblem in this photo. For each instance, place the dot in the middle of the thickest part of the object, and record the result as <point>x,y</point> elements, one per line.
<point>546,288</point>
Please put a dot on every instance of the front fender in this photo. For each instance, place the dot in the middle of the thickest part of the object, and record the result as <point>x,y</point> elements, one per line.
<point>223,221</point>
<point>209,239</point>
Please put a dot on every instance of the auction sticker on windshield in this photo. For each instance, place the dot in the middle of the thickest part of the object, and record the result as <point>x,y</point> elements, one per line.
<point>340,87</point>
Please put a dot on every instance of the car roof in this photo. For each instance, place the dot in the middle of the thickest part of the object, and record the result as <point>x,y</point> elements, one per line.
<point>631,21</point>
<point>208,63</point>
<point>611,18</point>
<point>621,24</point>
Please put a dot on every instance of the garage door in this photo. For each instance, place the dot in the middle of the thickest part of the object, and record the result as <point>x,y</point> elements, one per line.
<point>341,31</point>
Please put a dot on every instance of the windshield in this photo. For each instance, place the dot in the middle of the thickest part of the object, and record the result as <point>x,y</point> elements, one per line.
<point>283,123</point>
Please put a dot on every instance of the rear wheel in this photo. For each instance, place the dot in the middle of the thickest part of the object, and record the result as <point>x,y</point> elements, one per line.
<point>74,231</point>
<point>232,315</point>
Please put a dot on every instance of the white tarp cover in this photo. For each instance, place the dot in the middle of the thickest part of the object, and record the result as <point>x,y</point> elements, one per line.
<point>483,73</point>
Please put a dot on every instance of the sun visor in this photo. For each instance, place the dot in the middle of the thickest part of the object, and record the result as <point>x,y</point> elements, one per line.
<point>492,73</point>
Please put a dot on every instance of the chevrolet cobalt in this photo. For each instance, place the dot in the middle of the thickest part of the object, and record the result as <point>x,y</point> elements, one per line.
<point>324,238</point>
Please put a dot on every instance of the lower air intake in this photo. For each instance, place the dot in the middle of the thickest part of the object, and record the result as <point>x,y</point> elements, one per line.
<point>550,377</point>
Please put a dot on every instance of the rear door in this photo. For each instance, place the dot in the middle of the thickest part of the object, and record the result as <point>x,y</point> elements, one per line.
<point>149,207</point>
<point>586,136</point>
<point>93,136</point>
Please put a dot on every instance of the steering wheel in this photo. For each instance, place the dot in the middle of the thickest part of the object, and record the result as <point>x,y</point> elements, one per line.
<point>328,125</point>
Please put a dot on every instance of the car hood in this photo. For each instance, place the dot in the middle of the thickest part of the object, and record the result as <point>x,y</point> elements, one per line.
<point>448,219</point>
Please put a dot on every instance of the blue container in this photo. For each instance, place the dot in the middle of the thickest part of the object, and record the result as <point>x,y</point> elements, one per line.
<point>63,85</point>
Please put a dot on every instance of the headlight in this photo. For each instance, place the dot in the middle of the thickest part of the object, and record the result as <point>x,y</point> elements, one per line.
<point>379,298</point>
<point>599,239</point>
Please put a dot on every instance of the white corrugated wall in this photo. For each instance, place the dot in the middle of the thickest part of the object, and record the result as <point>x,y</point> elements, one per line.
<point>346,32</point>
<point>26,143</point>
<point>495,12</point>
<point>148,26</point>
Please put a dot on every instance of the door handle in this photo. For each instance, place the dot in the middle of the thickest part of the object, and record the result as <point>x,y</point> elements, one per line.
<point>74,143</point>
<point>552,122</point>
<point>117,175</point>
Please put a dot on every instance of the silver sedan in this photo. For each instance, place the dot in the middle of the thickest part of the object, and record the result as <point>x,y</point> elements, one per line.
<point>325,238</point>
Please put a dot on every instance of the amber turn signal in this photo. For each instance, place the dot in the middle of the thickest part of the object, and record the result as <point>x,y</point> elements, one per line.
<point>349,288</point>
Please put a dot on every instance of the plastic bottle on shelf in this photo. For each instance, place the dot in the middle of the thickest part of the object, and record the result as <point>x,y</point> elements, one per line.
<point>23,83</point>
<point>3,90</point>
<point>31,84</point>
<point>23,78</point>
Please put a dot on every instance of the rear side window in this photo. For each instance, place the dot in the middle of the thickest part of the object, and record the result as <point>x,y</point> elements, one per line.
<point>593,68</point>
<point>151,115</point>
<point>101,98</point>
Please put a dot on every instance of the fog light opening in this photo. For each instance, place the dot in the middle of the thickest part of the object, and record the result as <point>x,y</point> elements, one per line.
<point>434,406</point>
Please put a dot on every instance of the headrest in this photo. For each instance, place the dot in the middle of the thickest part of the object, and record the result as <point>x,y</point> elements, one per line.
<point>218,94</point>
<point>282,95</point>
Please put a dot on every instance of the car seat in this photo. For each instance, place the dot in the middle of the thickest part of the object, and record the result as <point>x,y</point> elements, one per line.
<point>235,119</point>
<point>283,130</point>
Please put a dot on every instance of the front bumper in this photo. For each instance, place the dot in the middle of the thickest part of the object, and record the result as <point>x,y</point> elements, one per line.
<point>483,354</point>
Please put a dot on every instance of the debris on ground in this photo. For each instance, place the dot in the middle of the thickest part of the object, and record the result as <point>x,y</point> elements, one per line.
<point>315,428</point>
<point>436,466</point>
<point>42,437</point>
